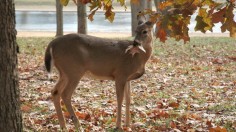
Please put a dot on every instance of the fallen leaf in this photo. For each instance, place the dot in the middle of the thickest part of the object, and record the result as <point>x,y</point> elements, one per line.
<point>217,129</point>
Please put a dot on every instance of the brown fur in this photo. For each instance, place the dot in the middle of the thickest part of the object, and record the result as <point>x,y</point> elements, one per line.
<point>76,55</point>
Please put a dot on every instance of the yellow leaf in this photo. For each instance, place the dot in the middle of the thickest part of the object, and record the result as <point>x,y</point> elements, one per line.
<point>111,17</point>
<point>165,4</point>
<point>122,2</point>
<point>108,2</point>
<point>64,2</point>
<point>109,14</point>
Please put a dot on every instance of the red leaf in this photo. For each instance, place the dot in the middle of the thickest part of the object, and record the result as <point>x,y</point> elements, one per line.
<point>219,16</point>
<point>217,129</point>
<point>174,104</point>
<point>208,123</point>
<point>85,1</point>
<point>162,35</point>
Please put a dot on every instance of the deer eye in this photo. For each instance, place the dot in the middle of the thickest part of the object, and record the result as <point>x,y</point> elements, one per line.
<point>144,32</point>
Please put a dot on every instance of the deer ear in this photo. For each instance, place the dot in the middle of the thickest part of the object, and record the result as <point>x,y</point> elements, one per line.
<point>150,24</point>
<point>141,18</point>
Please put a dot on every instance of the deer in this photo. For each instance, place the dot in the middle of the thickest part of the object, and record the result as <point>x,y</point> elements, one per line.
<point>78,55</point>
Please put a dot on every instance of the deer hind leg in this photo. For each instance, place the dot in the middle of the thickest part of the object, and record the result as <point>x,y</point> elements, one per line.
<point>120,86</point>
<point>56,94</point>
<point>66,97</point>
<point>127,104</point>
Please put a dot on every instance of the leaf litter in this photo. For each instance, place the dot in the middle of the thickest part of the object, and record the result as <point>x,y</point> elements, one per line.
<point>187,87</point>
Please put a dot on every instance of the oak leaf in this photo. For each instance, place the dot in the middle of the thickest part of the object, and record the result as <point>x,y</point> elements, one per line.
<point>219,16</point>
<point>64,2</point>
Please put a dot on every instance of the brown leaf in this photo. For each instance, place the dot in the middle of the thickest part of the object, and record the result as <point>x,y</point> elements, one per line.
<point>219,16</point>
<point>90,16</point>
<point>209,123</point>
<point>85,1</point>
<point>172,124</point>
<point>162,35</point>
<point>83,116</point>
<point>219,69</point>
<point>174,104</point>
<point>217,129</point>
<point>232,58</point>
<point>25,108</point>
<point>217,61</point>
<point>165,4</point>
<point>109,14</point>
<point>160,105</point>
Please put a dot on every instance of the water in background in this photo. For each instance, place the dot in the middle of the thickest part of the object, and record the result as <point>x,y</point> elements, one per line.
<point>46,21</point>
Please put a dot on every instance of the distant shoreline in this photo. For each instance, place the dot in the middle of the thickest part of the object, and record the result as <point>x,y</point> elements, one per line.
<point>107,34</point>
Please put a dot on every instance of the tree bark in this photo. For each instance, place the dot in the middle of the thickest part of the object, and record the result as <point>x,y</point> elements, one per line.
<point>157,2</point>
<point>59,18</point>
<point>10,114</point>
<point>135,9</point>
<point>82,18</point>
<point>233,31</point>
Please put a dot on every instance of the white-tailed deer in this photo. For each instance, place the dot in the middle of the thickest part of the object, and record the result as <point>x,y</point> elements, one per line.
<point>76,55</point>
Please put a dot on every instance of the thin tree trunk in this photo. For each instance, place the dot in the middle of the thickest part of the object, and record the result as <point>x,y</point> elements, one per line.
<point>10,114</point>
<point>82,18</point>
<point>59,18</point>
<point>135,9</point>
<point>157,2</point>
<point>233,31</point>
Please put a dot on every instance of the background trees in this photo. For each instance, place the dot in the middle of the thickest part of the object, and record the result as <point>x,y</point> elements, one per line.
<point>59,18</point>
<point>10,115</point>
<point>82,17</point>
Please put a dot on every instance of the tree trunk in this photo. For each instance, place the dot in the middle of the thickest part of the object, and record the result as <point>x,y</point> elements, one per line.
<point>157,2</point>
<point>135,9</point>
<point>233,31</point>
<point>59,17</point>
<point>10,114</point>
<point>82,18</point>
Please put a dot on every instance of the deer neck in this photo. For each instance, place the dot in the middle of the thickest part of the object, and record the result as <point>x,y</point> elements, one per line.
<point>148,49</point>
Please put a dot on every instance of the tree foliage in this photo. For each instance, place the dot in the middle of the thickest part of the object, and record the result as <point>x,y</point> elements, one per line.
<point>176,20</point>
<point>174,16</point>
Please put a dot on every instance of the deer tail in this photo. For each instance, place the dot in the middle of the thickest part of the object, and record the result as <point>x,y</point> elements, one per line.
<point>48,60</point>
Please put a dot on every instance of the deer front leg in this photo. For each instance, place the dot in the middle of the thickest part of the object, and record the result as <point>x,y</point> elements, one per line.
<point>120,86</point>
<point>127,104</point>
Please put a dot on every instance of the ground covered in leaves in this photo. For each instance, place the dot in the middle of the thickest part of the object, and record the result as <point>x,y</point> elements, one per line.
<point>187,87</point>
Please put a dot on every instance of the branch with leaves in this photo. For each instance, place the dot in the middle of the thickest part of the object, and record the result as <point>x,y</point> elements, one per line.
<point>174,22</point>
